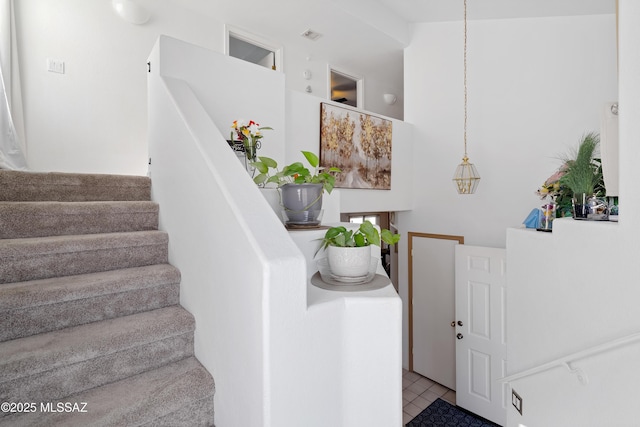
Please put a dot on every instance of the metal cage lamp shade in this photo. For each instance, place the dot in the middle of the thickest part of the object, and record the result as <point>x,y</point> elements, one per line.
<point>466,177</point>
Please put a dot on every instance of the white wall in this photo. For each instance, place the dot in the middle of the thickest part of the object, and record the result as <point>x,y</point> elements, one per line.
<point>589,294</point>
<point>281,351</point>
<point>534,87</point>
<point>218,223</point>
<point>303,133</point>
<point>377,80</point>
<point>93,118</point>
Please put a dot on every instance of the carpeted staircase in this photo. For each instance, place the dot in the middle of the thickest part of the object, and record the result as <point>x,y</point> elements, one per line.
<point>91,330</point>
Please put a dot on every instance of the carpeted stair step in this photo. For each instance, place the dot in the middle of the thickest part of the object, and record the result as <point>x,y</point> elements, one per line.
<point>43,257</point>
<point>37,306</point>
<point>72,187</point>
<point>176,395</point>
<point>56,364</point>
<point>89,307</point>
<point>39,219</point>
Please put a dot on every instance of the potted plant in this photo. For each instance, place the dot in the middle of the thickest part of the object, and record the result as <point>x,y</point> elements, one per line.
<point>301,189</point>
<point>583,176</point>
<point>247,142</point>
<point>349,251</point>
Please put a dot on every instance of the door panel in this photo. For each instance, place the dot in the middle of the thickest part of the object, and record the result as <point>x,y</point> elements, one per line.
<point>432,290</point>
<point>480,286</point>
<point>479,294</point>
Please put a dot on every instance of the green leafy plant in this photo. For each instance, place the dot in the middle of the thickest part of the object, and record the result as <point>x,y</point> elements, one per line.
<point>583,174</point>
<point>295,173</point>
<point>365,235</point>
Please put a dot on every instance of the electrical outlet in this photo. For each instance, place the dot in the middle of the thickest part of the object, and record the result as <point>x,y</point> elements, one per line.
<point>516,401</point>
<point>55,66</point>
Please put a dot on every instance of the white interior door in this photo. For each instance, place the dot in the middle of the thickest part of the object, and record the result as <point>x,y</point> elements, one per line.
<point>433,298</point>
<point>481,349</point>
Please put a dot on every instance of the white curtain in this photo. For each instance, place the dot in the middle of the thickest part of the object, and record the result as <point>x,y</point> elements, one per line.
<point>12,148</point>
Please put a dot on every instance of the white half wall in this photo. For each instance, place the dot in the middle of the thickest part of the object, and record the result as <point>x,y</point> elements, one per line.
<point>282,352</point>
<point>535,86</point>
<point>577,288</point>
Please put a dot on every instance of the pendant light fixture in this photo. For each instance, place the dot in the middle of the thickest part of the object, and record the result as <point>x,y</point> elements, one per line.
<point>466,177</point>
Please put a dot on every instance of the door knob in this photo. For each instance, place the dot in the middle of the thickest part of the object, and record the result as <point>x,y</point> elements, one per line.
<point>459,336</point>
<point>453,324</point>
<point>460,323</point>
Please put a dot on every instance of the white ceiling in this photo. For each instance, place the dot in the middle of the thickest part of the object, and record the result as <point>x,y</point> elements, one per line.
<point>452,10</point>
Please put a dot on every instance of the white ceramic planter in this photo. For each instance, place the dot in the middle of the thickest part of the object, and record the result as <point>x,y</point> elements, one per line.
<point>349,262</point>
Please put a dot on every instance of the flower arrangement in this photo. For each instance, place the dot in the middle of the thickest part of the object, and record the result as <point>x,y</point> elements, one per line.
<point>554,190</point>
<point>581,172</point>
<point>551,187</point>
<point>250,134</point>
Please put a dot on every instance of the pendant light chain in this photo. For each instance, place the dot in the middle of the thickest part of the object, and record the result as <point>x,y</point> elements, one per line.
<point>466,177</point>
<point>465,78</point>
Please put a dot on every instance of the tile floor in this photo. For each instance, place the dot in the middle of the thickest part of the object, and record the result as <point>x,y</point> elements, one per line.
<point>419,392</point>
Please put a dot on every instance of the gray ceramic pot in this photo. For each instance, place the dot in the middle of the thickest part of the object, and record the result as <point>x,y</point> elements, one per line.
<point>302,203</point>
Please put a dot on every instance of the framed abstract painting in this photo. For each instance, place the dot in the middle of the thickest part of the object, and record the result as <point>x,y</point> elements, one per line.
<point>359,144</point>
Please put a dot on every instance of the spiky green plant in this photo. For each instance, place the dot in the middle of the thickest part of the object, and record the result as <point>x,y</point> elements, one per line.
<point>584,174</point>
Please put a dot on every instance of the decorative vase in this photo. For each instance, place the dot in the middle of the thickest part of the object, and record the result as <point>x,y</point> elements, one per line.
<point>302,204</point>
<point>589,207</point>
<point>247,152</point>
<point>547,217</point>
<point>349,261</point>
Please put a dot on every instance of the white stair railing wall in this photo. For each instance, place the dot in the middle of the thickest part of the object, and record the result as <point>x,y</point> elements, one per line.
<point>569,362</point>
<point>281,355</point>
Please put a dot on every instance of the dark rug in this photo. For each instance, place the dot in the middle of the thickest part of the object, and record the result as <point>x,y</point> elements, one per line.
<point>444,414</point>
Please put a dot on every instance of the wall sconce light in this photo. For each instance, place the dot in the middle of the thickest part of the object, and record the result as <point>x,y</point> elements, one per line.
<point>131,12</point>
<point>389,98</point>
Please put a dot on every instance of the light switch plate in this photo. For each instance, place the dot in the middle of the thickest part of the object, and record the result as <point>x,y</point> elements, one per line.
<point>516,401</point>
<point>55,66</point>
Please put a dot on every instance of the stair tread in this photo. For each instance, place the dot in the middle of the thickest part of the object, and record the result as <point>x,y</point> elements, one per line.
<point>74,243</point>
<point>60,186</point>
<point>50,207</point>
<point>41,219</point>
<point>143,399</point>
<point>39,292</point>
<point>42,257</point>
<point>43,352</point>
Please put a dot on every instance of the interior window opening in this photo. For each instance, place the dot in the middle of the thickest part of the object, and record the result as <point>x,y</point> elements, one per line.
<point>345,89</point>
<point>250,49</point>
